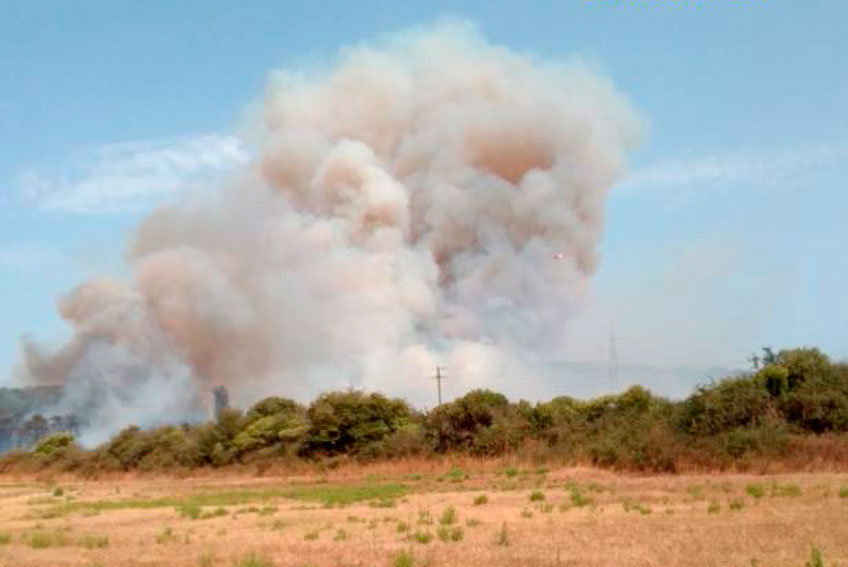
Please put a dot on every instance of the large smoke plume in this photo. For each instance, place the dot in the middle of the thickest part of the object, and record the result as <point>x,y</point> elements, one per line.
<point>402,211</point>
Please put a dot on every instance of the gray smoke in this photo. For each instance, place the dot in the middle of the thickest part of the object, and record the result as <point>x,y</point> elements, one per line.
<point>403,210</point>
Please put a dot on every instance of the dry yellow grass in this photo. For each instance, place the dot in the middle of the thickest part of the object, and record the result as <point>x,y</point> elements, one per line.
<point>583,517</point>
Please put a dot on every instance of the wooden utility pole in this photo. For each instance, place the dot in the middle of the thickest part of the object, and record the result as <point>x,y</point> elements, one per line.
<point>439,379</point>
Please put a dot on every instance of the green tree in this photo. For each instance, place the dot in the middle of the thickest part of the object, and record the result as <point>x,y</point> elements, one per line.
<point>353,421</point>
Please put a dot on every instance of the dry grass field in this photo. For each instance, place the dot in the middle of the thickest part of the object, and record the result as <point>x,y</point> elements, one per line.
<point>440,516</point>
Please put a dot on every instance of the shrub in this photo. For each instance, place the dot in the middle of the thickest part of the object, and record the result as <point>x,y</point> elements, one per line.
<point>52,444</point>
<point>351,421</point>
<point>423,537</point>
<point>755,490</point>
<point>481,422</point>
<point>404,559</point>
<point>448,516</point>
<point>729,404</point>
<point>537,496</point>
<point>94,541</point>
<point>815,558</point>
<point>446,533</point>
<point>189,510</point>
<point>253,559</point>
<point>577,498</point>
<point>481,500</point>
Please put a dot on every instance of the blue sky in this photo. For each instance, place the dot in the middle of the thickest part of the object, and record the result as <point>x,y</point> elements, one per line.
<point>728,234</point>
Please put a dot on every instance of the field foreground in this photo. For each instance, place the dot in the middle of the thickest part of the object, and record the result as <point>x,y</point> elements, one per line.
<point>531,517</point>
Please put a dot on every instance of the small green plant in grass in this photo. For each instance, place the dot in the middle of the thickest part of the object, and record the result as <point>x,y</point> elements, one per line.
<point>424,517</point>
<point>537,496</point>
<point>58,492</point>
<point>755,490</point>
<point>713,508</point>
<point>526,513</point>
<point>5,538</point>
<point>481,500</point>
<point>778,490</point>
<point>472,522</point>
<point>736,504</point>
<point>816,559</point>
<point>44,540</point>
<point>91,541</point>
<point>312,535</point>
<point>340,535</point>
<point>456,474</point>
<point>165,536</point>
<point>448,516</point>
<point>404,559</point>
<point>696,492</point>
<point>423,537</point>
<point>253,559</point>
<point>443,533</point>
<point>190,510</point>
<point>453,534</point>
<point>578,499</point>
<point>511,472</point>
<point>503,536</point>
<point>542,470</point>
<point>402,527</point>
<point>843,492</point>
<point>216,513</point>
<point>206,560</point>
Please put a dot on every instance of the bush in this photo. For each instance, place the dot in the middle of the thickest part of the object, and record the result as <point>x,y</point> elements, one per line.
<point>52,444</point>
<point>352,422</point>
<point>730,404</point>
<point>481,422</point>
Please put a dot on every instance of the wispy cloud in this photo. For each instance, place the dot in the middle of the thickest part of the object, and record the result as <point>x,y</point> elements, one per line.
<point>784,167</point>
<point>130,176</point>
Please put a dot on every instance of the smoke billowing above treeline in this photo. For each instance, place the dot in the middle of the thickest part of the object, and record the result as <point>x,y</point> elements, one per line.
<point>403,209</point>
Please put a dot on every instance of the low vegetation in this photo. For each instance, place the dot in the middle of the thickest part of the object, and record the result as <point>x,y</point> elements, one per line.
<point>793,405</point>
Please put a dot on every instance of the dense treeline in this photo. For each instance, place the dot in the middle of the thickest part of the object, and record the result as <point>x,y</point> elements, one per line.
<point>18,403</point>
<point>790,398</point>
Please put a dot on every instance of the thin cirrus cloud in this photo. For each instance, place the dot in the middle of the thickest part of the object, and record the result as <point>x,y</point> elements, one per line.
<point>125,177</point>
<point>783,168</point>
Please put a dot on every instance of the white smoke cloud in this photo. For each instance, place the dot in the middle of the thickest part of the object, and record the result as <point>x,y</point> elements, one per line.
<point>402,210</point>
